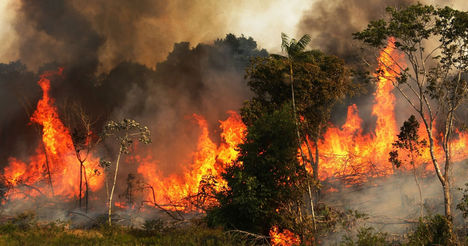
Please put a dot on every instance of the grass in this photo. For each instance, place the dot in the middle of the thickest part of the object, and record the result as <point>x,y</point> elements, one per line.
<point>26,231</point>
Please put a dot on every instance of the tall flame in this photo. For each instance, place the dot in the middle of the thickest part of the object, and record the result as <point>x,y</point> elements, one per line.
<point>349,154</point>
<point>346,152</point>
<point>208,160</point>
<point>54,165</point>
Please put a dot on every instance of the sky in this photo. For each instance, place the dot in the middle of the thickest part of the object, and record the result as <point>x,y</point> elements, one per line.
<point>264,20</point>
<point>145,33</point>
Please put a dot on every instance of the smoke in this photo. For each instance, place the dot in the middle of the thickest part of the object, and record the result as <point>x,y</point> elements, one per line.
<point>392,203</point>
<point>206,80</point>
<point>331,23</point>
<point>143,32</point>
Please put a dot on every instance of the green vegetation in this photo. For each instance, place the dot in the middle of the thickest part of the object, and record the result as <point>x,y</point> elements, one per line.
<point>367,236</point>
<point>265,180</point>
<point>24,230</point>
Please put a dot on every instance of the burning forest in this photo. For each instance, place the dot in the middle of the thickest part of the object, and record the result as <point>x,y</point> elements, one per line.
<point>351,134</point>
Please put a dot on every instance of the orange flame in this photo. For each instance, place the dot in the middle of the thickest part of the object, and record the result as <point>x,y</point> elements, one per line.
<point>208,160</point>
<point>345,152</point>
<point>56,156</point>
<point>353,156</point>
<point>284,238</point>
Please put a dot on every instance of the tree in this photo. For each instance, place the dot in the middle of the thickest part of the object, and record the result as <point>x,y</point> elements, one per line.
<point>264,181</point>
<point>318,83</point>
<point>124,133</point>
<point>435,44</point>
<point>84,140</point>
<point>295,51</point>
<point>409,141</point>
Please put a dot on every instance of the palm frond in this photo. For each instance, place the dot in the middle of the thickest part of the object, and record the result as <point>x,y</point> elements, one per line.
<point>303,42</point>
<point>284,41</point>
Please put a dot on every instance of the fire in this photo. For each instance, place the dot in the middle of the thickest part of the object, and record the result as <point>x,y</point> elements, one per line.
<point>284,238</point>
<point>54,168</point>
<point>209,160</point>
<point>349,154</point>
<point>346,152</point>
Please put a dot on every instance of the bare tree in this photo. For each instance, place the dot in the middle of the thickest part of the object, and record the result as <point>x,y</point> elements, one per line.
<point>84,140</point>
<point>124,133</point>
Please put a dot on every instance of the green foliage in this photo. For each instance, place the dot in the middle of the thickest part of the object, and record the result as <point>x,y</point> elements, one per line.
<point>124,132</point>
<point>431,230</point>
<point>24,221</point>
<point>320,81</point>
<point>366,236</point>
<point>295,49</point>
<point>408,140</point>
<point>264,180</point>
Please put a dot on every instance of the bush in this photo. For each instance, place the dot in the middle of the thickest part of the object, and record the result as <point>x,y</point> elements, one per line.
<point>367,237</point>
<point>431,230</point>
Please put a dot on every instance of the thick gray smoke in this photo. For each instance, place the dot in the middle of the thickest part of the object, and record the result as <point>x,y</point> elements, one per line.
<point>331,24</point>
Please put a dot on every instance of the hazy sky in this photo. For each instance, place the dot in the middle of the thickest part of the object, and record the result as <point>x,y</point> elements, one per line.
<point>264,20</point>
<point>146,32</point>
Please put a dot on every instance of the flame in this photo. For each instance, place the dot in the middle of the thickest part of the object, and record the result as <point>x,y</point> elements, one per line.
<point>56,155</point>
<point>284,238</point>
<point>346,152</point>
<point>208,160</point>
<point>355,157</point>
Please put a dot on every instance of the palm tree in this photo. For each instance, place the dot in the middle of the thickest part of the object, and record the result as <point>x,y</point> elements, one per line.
<point>295,52</point>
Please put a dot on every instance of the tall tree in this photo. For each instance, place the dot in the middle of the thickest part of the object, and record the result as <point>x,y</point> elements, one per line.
<point>264,181</point>
<point>124,133</point>
<point>320,81</point>
<point>435,44</point>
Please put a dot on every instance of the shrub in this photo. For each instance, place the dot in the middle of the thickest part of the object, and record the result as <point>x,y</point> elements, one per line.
<point>431,230</point>
<point>366,237</point>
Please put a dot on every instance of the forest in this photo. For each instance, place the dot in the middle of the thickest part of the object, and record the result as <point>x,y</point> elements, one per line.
<point>129,124</point>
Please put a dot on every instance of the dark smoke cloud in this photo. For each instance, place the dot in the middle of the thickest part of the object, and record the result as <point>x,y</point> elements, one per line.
<point>331,23</point>
<point>54,31</point>
<point>110,32</point>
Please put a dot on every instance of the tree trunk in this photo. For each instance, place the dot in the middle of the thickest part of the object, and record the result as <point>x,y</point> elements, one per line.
<point>415,174</point>
<point>113,185</point>
<point>299,141</point>
<point>443,178</point>
<point>87,189</point>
